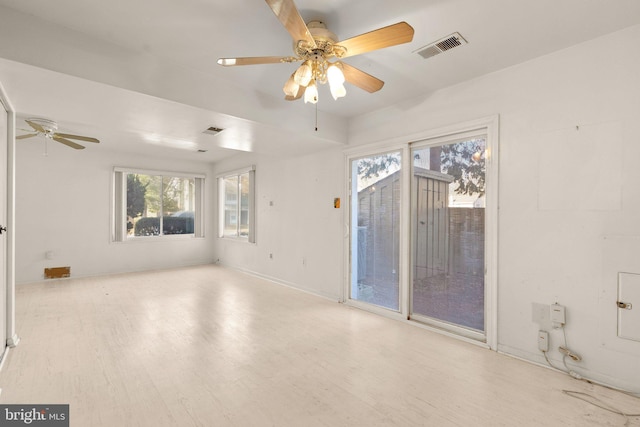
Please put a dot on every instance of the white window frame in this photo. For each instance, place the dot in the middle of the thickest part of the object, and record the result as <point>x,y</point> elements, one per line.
<point>251,170</point>
<point>119,210</point>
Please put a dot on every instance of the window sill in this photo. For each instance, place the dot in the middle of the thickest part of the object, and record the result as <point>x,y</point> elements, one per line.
<point>236,239</point>
<point>164,238</point>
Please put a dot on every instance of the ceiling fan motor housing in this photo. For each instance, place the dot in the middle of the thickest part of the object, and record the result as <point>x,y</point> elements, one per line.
<point>319,31</point>
<point>325,41</point>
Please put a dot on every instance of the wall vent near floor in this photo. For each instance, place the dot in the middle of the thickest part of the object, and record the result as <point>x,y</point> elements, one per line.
<point>442,45</point>
<point>57,272</point>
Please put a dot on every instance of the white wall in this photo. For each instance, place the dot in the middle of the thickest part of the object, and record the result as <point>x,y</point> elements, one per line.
<point>569,145</point>
<point>296,222</point>
<point>64,205</point>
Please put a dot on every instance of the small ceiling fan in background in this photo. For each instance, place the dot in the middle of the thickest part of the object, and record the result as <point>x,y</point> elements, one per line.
<point>315,45</point>
<point>48,128</point>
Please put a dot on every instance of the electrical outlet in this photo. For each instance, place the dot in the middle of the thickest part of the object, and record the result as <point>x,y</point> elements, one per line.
<point>543,340</point>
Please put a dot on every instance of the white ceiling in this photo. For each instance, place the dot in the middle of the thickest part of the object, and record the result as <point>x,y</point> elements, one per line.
<point>141,73</point>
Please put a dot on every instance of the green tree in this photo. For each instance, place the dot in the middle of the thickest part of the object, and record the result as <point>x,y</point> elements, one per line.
<point>370,167</point>
<point>465,161</point>
<point>136,191</point>
<point>153,185</point>
<point>172,194</point>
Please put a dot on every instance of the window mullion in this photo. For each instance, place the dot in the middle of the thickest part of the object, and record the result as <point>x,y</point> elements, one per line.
<point>161,213</point>
<point>238,206</point>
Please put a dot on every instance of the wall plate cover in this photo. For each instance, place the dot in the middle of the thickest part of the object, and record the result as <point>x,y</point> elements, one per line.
<point>543,340</point>
<point>558,316</point>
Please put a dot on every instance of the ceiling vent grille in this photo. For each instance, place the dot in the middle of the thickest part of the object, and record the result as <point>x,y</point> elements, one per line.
<point>442,45</point>
<point>212,130</point>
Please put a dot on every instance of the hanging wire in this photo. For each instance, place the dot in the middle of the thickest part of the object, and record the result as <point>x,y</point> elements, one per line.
<point>586,397</point>
<point>592,400</point>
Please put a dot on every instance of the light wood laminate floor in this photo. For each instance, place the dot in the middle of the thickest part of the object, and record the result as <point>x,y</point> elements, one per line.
<point>208,346</point>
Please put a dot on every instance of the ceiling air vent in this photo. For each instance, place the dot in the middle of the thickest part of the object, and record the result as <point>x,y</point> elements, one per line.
<point>442,45</point>
<point>213,130</point>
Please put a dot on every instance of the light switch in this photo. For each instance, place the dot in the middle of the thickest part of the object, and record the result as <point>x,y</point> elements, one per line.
<point>628,306</point>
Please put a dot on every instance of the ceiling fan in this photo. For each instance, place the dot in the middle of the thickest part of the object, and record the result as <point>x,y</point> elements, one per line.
<point>315,46</point>
<point>48,128</point>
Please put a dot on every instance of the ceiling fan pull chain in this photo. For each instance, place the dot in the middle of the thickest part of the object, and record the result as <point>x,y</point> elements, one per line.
<point>316,117</point>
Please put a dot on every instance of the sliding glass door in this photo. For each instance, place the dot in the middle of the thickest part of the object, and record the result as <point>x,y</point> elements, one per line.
<point>448,234</point>
<point>423,231</point>
<point>375,229</point>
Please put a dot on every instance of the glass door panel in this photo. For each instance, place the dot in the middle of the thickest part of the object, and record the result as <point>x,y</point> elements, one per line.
<point>375,228</point>
<point>448,200</point>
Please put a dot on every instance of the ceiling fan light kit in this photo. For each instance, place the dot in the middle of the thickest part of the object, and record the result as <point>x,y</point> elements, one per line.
<point>303,74</point>
<point>335,76</point>
<point>316,46</point>
<point>311,93</point>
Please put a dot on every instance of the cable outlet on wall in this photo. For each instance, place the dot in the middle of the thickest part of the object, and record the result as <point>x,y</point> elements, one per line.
<point>543,340</point>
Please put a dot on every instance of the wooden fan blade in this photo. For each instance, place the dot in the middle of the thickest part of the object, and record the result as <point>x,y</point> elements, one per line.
<point>36,126</point>
<point>26,136</point>
<point>301,90</point>
<point>377,39</point>
<point>67,142</point>
<point>361,79</point>
<point>290,18</point>
<point>255,60</point>
<point>81,138</point>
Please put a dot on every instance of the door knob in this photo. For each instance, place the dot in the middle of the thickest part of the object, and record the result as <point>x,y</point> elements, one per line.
<point>2,229</point>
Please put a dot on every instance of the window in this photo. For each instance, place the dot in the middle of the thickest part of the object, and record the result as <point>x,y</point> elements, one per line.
<point>236,190</point>
<point>152,204</point>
